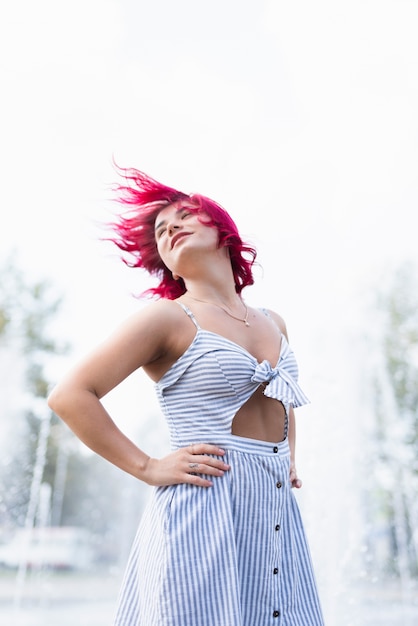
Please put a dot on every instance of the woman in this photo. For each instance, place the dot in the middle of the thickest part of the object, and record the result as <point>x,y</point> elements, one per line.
<point>221,540</point>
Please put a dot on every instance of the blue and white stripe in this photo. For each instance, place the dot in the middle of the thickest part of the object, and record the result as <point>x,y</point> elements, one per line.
<point>234,554</point>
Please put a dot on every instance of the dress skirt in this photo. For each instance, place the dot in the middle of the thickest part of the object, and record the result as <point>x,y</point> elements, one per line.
<point>234,554</point>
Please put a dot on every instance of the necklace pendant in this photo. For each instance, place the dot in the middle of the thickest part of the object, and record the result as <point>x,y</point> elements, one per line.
<point>246,323</point>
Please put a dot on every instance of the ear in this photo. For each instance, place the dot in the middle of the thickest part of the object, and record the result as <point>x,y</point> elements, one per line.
<point>176,276</point>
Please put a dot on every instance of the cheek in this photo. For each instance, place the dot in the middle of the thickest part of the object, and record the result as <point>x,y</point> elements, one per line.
<point>214,236</point>
<point>162,252</point>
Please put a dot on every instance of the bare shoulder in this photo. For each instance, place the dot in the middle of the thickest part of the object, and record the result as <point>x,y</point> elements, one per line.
<point>157,311</point>
<point>167,321</point>
<point>279,321</point>
<point>147,339</point>
<point>144,337</point>
<point>157,321</point>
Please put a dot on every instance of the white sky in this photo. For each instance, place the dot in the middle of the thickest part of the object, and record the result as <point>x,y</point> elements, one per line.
<point>299,117</point>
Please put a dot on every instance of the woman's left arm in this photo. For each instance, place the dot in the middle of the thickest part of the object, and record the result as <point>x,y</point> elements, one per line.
<point>294,480</point>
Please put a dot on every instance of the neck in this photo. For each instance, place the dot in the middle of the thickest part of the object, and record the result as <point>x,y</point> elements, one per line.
<point>207,274</point>
<point>217,294</point>
<point>229,309</point>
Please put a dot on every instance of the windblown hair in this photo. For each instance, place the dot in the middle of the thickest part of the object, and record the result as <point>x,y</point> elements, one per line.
<point>134,231</point>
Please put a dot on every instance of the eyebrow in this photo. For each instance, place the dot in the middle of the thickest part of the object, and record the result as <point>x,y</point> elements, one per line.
<point>159,225</point>
<point>179,210</point>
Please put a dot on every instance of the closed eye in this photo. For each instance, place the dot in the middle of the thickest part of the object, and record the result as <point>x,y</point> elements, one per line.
<point>162,227</point>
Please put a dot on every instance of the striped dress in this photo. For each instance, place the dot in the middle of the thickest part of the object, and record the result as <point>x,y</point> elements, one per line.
<point>234,554</point>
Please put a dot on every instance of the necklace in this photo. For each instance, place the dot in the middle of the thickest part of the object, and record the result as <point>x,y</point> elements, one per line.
<point>240,319</point>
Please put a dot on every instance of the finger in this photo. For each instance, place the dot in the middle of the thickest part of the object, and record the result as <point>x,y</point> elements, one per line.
<point>210,461</point>
<point>198,481</point>
<point>212,467</point>
<point>206,448</point>
<point>297,483</point>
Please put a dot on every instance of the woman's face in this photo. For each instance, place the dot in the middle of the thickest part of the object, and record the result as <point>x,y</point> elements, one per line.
<point>179,234</point>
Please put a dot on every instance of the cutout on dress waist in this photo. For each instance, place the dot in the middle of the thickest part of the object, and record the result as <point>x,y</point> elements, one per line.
<point>278,419</point>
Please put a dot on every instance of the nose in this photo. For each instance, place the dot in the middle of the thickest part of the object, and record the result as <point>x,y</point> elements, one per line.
<point>172,227</point>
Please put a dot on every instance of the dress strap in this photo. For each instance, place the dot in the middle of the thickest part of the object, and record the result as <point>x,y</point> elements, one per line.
<point>189,313</point>
<point>286,416</point>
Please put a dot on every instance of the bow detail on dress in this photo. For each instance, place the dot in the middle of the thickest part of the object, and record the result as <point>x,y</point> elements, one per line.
<point>281,385</point>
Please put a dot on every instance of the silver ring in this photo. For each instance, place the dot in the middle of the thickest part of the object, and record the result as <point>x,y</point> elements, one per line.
<point>193,465</point>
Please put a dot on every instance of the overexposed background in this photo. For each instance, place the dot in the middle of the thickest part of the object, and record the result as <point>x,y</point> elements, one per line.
<point>298,117</point>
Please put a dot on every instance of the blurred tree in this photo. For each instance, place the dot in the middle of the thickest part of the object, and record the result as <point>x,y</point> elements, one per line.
<point>25,313</point>
<point>85,490</point>
<point>396,408</point>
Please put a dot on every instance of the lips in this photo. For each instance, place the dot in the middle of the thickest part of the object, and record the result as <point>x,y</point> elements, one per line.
<point>177,237</point>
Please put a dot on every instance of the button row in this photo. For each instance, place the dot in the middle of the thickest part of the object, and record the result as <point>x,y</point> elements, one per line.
<point>277,527</point>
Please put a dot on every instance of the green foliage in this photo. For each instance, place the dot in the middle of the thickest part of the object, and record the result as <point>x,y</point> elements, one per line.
<point>86,491</point>
<point>400,346</point>
<point>4,321</point>
<point>26,311</point>
<point>396,418</point>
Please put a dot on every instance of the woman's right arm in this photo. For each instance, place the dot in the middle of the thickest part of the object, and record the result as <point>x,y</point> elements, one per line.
<point>142,340</point>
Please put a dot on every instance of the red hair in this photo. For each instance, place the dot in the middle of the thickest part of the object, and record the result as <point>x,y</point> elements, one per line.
<point>134,231</point>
